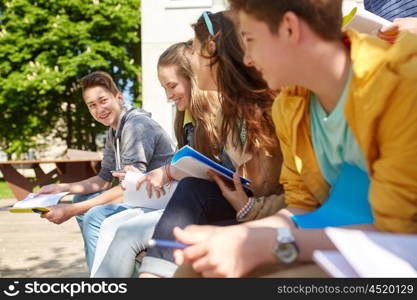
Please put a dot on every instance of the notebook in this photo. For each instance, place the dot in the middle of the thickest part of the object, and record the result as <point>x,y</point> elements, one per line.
<point>347,203</point>
<point>197,165</point>
<point>139,198</point>
<point>38,204</point>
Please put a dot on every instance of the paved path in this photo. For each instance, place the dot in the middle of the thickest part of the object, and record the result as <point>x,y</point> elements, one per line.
<point>34,247</point>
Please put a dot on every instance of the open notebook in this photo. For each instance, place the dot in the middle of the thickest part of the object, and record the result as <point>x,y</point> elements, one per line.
<point>369,254</point>
<point>37,204</point>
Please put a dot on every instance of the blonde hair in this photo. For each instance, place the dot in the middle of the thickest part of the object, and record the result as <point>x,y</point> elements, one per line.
<point>204,105</point>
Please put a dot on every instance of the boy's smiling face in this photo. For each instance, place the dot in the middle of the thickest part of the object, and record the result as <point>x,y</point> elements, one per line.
<point>269,53</point>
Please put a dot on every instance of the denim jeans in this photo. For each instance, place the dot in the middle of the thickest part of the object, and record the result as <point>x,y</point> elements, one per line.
<point>195,201</point>
<point>90,223</point>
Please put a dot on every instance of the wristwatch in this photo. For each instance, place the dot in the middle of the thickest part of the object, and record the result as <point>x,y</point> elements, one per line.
<point>286,250</point>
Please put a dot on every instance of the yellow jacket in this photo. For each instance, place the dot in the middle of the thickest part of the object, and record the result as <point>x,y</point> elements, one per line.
<point>381,110</point>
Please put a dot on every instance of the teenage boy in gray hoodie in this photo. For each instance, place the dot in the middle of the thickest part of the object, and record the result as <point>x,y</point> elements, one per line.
<point>133,139</point>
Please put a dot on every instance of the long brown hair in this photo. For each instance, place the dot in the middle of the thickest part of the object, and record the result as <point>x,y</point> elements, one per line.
<point>246,99</point>
<point>203,105</point>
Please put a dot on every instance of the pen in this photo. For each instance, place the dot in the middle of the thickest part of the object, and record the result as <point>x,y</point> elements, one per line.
<point>115,171</point>
<point>166,244</point>
<point>40,210</point>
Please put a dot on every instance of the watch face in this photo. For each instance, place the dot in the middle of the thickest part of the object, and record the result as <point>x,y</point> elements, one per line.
<point>287,252</point>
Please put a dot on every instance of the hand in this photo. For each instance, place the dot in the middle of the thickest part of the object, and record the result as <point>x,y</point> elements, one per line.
<point>122,175</point>
<point>58,213</point>
<point>390,32</point>
<point>231,251</point>
<point>50,189</point>
<point>155,180</point>
<point>237,197</point>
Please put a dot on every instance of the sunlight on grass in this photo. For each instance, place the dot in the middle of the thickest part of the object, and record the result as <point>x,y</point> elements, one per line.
<point>5,191</point>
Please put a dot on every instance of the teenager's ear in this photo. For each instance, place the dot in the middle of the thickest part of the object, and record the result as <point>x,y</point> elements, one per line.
<point>211,47</point>
<point>290,26</point>
<point>119,98</point>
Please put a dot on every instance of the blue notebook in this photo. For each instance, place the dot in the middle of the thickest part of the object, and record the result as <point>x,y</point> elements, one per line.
<point>347,204</point>
<point>196,164</point>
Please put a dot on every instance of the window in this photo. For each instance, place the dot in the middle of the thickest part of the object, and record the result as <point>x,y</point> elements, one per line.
<point>188,3</point>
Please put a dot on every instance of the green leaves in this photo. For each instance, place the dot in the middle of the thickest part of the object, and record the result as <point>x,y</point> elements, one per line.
<point>46,47</point>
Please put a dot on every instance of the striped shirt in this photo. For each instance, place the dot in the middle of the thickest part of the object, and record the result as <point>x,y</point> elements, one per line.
<point>391,9</point>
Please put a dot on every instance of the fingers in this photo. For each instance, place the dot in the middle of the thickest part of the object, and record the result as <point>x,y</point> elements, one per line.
<point>119,175</point>
<point>203,265</point>
<point>223,187</point>
<point>158,192</point>
<point>130,168</point>
<point>193,253</point>
<point>149,190</point>
<point>389,33</point>
<point>237,182</point>
<point>141,180</point>
<point>178,257</point>
<point>391,29</point>
<point>42,190</point>
<point>193,234</point>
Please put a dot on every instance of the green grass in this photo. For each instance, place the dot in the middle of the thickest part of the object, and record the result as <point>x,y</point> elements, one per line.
<point>5,191</point>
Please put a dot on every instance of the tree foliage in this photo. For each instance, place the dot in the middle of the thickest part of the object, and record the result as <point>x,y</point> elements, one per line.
<point>46,47</point>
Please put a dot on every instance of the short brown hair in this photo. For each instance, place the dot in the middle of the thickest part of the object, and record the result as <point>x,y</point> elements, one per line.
<point>323,16</point>
<point>99,78</point>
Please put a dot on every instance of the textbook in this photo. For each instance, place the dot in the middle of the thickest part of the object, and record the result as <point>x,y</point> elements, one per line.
<point>197,165</point>
<point>364,21</point>
<point>37,204</point>
<point>369,254</point>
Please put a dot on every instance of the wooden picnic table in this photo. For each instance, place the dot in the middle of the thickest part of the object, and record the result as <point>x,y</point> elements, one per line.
<point>66,170</point>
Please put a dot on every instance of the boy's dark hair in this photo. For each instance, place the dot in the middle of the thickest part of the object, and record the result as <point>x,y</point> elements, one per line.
<point>99,78</point>
<point>323,16</point>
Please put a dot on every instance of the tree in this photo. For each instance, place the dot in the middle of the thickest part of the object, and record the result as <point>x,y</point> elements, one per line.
<point>46,47</point>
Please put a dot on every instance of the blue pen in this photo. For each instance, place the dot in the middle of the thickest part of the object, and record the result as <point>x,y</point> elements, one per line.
<point>166,244</point>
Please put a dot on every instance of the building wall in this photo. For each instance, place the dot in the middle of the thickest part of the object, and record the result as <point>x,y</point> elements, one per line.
<point>165,22</point>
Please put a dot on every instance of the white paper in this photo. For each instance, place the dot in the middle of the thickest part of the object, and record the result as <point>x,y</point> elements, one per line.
<point>366,22</point>
<point>333,262</point>
<point>140,198</point>
<point>43,200</point>
<point>375,254</point>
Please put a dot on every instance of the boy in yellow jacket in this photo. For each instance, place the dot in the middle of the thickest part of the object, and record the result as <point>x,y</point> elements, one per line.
<point>345,97</point>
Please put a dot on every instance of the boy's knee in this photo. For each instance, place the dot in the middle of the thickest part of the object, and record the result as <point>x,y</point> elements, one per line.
<point>94,216</point>
<point>79,198</point>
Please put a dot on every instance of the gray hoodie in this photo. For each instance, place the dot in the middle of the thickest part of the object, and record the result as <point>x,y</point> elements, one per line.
<point>142,143</point>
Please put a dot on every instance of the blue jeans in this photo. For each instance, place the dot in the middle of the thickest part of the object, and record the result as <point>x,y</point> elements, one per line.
<point>90,223</point>
<point>195,201</point>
